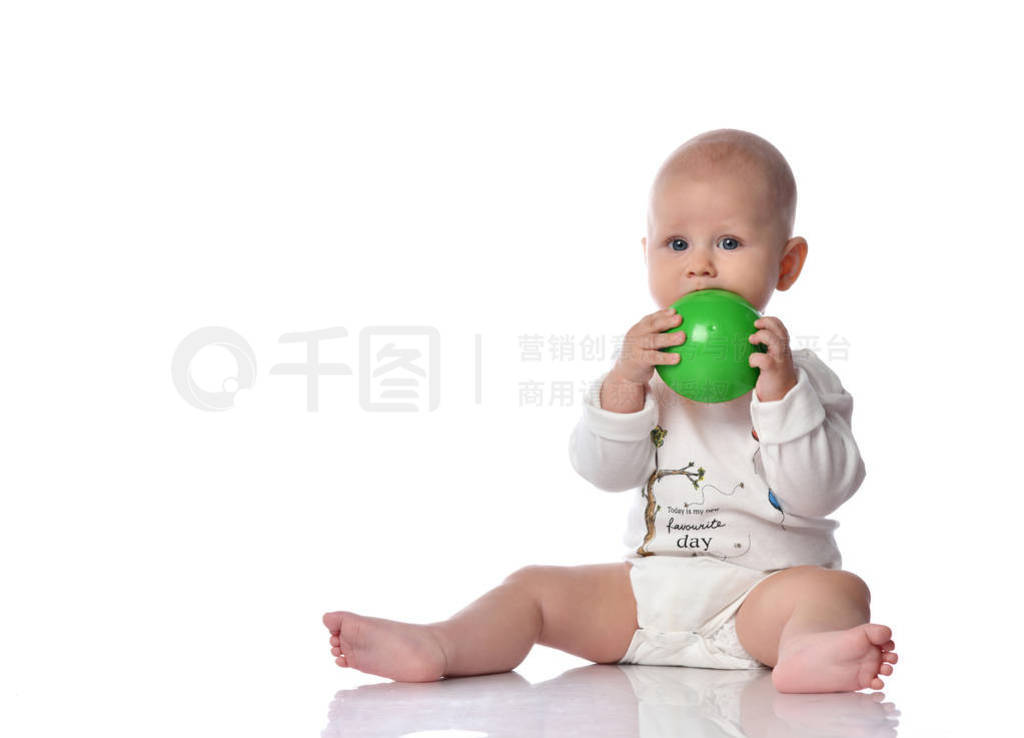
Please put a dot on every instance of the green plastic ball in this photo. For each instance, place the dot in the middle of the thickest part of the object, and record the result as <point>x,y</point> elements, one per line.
<point>714,364</point>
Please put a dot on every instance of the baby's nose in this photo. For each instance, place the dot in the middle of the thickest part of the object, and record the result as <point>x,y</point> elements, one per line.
<point>699,264</point>
<point>700,268</point>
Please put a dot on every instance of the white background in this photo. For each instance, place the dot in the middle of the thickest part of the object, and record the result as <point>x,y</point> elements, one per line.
<point>481,169</point>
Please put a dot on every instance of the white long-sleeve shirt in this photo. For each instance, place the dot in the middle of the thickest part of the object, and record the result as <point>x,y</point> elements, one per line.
<point>746,481</point>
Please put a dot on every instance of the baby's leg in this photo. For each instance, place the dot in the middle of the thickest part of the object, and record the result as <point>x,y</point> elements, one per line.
<point>811,625</point>
<point>588,611</point>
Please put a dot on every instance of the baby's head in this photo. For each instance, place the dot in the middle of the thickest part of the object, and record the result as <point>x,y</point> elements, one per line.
<point>721,214</point>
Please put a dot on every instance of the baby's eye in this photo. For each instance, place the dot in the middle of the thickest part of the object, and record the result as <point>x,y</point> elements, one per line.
<point>730,240</point>
<point>677,244</point>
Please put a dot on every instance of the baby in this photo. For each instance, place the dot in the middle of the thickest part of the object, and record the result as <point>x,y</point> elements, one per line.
<point>732,562</point>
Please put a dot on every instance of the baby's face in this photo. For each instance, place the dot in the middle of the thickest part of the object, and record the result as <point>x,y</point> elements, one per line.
<point>715,231</point>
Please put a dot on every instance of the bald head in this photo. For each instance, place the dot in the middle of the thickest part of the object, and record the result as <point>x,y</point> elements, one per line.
<point>729,150</point>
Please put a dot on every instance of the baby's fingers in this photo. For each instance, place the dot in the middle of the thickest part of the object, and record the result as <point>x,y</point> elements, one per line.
<point>768,339</point>
<point>661,357</point>
<point>661,340</point>
<point>659,321</point>
<point>669,319</point>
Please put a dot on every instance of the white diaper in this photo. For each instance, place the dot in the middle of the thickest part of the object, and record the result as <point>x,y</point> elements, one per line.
<point>686,609</point>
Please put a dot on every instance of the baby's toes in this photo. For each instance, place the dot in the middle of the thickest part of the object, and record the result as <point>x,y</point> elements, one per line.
<point>891,657</point>
<point>878,634</point>
<point>888,646</point>
<point>335,641</point>
<point>885,669</point>
<point>336,651</point>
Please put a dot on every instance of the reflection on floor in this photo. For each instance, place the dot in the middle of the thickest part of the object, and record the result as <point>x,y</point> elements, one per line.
<point>608,700</point>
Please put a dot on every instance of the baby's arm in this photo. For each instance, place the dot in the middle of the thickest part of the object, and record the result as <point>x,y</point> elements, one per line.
<point>811,460</point>
<point>613,451</point>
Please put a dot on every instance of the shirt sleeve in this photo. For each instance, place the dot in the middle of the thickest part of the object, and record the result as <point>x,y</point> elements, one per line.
<point>810,458</point>
<point>613,451</point>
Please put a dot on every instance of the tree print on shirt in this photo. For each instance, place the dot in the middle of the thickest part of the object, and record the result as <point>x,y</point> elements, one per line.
<point>696,476</point>
<point>652,507</point>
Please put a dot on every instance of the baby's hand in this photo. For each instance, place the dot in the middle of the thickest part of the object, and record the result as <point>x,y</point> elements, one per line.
<point>640,346</point>
<point>778,374</point>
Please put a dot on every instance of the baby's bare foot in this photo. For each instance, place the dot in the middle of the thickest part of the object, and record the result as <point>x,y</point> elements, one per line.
<point>836,660</point>
<point>404,652</point>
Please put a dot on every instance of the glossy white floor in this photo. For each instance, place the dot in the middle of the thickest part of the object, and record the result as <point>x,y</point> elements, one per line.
<point>548,696</point>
